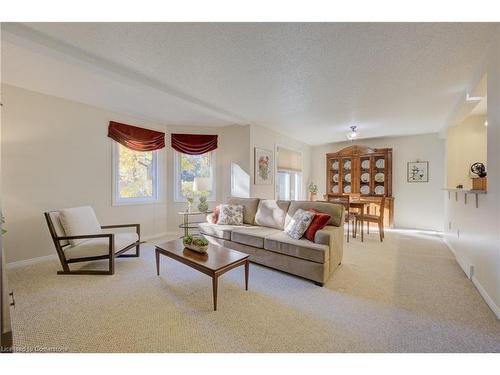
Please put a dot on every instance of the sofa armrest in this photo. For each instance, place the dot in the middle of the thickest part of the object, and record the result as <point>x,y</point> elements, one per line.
<point>333,237</point>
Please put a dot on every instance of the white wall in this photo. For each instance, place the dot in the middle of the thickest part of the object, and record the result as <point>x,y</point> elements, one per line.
<point>473,233</point>
<point>57,154</point>
<point>466,144</point>
<point>266,138</point>
<point>416,205</point>
<point>233,145</point>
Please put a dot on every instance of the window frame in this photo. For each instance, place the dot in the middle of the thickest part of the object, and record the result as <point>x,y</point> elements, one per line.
<point>177,181</point>
<point>117,200</point>
<point>297,189</point>
<point>301,186</point>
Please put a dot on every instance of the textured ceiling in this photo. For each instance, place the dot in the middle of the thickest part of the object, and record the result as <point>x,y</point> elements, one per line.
<point>310,81</point>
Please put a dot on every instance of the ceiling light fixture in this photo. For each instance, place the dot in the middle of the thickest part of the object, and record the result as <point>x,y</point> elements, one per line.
<point>352,135</point>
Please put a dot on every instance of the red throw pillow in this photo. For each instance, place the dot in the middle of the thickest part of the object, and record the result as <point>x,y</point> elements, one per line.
<point>215,218</point>
<point>319,222</point>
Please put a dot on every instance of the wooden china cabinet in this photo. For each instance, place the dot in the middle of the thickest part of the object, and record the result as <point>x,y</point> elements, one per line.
<point>364,171</point>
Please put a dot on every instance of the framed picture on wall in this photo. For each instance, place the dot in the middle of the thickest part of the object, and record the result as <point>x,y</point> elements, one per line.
<point>418,171</point>
<point>263,167</point>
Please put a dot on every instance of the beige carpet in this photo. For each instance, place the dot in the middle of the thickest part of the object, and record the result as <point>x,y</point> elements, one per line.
<point>405,295</point>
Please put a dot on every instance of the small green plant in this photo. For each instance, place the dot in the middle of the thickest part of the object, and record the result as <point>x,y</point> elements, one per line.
<point>3,222</point>
<point>313,188</point>
<point>195,240</point>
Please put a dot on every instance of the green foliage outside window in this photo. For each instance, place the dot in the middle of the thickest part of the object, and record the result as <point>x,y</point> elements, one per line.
<point>192,166</point>
<point>135,173</point>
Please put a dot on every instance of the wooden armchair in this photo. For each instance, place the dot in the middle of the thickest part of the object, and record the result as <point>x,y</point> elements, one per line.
<point>93,246</point>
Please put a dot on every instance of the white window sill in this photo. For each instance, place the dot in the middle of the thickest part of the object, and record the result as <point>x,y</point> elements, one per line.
<point>136,203</point>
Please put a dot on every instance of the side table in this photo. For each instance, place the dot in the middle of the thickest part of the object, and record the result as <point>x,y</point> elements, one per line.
<point>188,224</point>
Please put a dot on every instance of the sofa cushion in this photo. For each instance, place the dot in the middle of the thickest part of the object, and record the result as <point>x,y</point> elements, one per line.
<point>219,230</point>
<point>216,213</point>
<point>336,211</point>
<point>301,220</point>
<point>252,236</point>
<point>249,208</point>
<point>319,222</point>
<point>100,246</point>
<point>230,214</point>
<point>79,221</point>
<point>271,213</point>
<point>303,249</point>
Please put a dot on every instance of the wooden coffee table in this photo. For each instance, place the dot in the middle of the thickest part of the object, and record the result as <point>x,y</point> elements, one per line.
<point>216,262</point>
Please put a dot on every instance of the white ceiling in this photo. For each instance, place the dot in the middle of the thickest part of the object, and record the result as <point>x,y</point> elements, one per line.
<point>310,81</point>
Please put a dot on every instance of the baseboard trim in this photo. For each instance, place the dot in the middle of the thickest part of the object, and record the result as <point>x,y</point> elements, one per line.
<point>461,262</point>
<point>31,261</point>
<point>159,235</point>
<point>464,264</point>
<point>489,301</point>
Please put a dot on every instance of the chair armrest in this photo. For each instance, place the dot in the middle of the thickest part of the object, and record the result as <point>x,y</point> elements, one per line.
<point>85,236</point>
<point>120,226</point>
<point>137,227</point>
<point>109,236</point>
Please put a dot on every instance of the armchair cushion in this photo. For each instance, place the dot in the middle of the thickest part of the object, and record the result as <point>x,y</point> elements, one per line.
<point>100,246</point>
<point>55,217</point>
<point>79,221</point>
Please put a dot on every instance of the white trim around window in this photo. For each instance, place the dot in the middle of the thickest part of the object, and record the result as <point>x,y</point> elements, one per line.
<point>178,197</point>
<point>116,199</point>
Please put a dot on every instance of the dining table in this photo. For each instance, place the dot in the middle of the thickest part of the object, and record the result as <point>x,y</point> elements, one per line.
<point>360,205</point>
<point>357,204</point>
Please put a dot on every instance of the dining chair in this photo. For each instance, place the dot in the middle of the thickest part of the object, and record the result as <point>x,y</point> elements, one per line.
<point>377,219</point>
<point>349,216</point>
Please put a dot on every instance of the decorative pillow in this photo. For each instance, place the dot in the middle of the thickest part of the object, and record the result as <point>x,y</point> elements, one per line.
<point>78,221</point>
<point>271,213</point>
<point>230,214</point>
<point>319,222</point>
<point>215,216</point>
<point>299,223</point>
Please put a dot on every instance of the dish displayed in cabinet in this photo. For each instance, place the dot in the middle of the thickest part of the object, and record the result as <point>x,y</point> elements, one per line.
<point>379,190</point>
<point>365,189</point>
<point>335,165</point>
<point>335,189</point>
<point>347,177</point>
<point>365,177</point>
<point>380,163</point>
<point>336,177</point>
<point>365,164</point>
<point>347,189</point>
<point>347,164</point>
<point>379,177</point>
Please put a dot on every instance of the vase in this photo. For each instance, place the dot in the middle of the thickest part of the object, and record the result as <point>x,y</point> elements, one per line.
<point>312,197</point>
<point>203,205</point>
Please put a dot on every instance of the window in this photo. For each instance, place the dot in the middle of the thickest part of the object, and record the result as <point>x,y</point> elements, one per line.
<point>288,186</point>
<point>135,175</point>
<point>289,177</point>
<point>187,167</point>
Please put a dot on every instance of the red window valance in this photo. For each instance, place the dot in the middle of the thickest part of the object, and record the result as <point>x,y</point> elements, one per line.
<point>194,144</point>
<point>135,138</point>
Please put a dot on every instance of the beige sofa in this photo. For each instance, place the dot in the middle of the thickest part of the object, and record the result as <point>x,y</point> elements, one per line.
<point>262,236</point>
